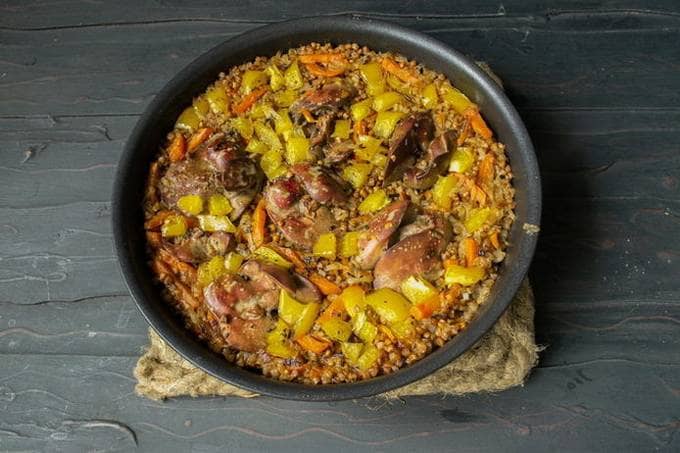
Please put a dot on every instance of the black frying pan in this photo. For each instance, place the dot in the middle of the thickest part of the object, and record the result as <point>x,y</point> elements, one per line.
<point>159,118</point>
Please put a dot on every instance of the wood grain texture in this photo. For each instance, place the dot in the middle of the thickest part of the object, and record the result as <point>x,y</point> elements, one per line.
<point>598,87</point>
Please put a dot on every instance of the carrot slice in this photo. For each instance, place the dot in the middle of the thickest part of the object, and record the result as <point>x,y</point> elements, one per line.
<point>259,222</point>
<point>291,255</point>
<point>477,194</point>
<point>313,344</point>
<point>322,58</point>
<point>485,172</point>
<point>471,251</point>
<point>425,309</point>
<point>308,116</point>
<point>249,100</point>
<point>157,220</point>
<point>332,311</point>
<point>495,241</point>
<point>178,148</point>
<point>328,71</point>
<point>477,122</point>
<point>199,137</point>
<point>326,286</point>
<point>393,67</point>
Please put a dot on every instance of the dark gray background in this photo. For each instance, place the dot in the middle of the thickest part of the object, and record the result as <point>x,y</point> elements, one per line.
<point>599,89</point>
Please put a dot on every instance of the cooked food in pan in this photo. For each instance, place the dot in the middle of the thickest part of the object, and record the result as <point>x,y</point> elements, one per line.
<point>328,214</point>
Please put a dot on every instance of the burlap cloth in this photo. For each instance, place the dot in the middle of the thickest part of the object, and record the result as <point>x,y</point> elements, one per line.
<point>501,359</point>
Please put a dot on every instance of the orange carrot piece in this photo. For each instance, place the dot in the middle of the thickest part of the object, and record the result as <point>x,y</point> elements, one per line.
<point>393,67</point>
<point>471,251</point>
<point>425,309</point>
<point>485,172</point>
<point>326,286</point>
<point>157,220</point>
<point>328,71</point>
<point>495,241</point>
<point>477,194</point>
<point>259,223</point>
<point>333,310</point>
<point>313,344</point>
<point>308,116</point>
<point>477,122</point>
<point>291,255</point>
<point>322,58</point>
<point>249,100</point>
<point>178,148</point>
<point>199,137</point>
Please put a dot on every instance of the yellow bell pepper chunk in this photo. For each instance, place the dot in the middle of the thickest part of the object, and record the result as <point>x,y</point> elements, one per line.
<point>257,147</point>
<point>188,120</point>
<point>396,84</point>
<point>465,276</point>
<point>211,270</point>
<point>217,99</point>
<point>403,329</point>
<point>336,329</point>
<point>349,246</point>
<point>276,80</point>
<point>374,202</point>
<point>283,124</point>
<point>462,160</point>
<point>379,160</point>
<point>270,162</point>
<point>417,289</point>
<point>243,126</point>
<point>325,246</point>
<point>300,316</point>
<point>456,99</point>
<point>285,98</point>
<point>373,77</point>
<point>444,190</point>
<point>219,205</point>
<point>251,80</point>
<point>385,123</point>
<point>278,343</point>
<point>430,99</point>
<point>342,129</point>
<point>201,106</point>
<point>267,135</point>
<point>361,109</point>
<point>370,146</point>
<point>297,150</point>
<point>389,304</point>
<point>386,101</point>
<point>293,77</point>
<point>351,351</point>
<point>211,223</point>
<point>270,255</point>
<point>353,298</point>
<point>357,174</point>
<point>174,226</point>
<point>368,358</point>
<point>262,111</point>
<point>232,262</point>
<point>477,218</point>
<point>363,328</point>
<point>191,204</point>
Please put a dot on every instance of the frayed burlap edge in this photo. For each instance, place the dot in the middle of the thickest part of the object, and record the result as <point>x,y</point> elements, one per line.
<point>500,360</point>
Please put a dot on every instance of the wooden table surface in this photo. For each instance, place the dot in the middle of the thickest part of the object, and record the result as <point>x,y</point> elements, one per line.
<point>599,89</point>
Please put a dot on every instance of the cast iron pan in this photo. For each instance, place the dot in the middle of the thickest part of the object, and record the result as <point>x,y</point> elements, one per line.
<point>160,116</point>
